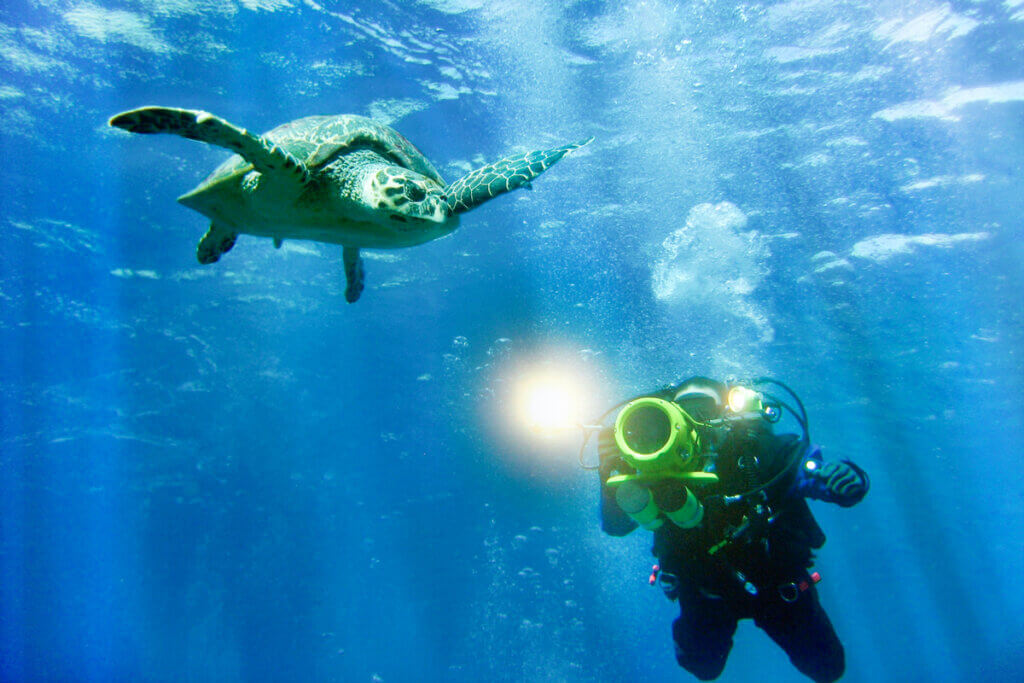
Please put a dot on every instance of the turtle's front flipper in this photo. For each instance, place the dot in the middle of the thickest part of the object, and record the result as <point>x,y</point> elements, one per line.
<point>217,240</point>
<point>502,176</point>
<point>265,156</point>
<point>353,274</point>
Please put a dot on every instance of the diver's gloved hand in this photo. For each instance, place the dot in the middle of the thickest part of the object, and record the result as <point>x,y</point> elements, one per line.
<point>844,483</point>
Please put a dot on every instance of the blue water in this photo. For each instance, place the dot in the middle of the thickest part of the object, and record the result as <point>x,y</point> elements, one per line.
<point>227,473</point>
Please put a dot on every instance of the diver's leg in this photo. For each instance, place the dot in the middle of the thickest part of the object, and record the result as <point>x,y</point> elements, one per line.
<point>804,631</point>
<point>703,634</point>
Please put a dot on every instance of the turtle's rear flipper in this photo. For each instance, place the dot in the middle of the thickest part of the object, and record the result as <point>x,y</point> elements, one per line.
<point>217,240</point>
<point>265,156</point>
<point>353,274</point>
<point>502,176</point>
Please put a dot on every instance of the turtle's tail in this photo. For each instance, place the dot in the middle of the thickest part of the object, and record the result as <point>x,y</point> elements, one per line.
<point>502,176</point>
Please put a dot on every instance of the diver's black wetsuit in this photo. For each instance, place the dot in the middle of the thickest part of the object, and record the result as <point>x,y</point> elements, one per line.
<point>762,575</point>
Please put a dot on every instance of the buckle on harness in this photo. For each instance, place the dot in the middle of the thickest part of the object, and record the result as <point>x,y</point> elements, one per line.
<point>790,592</point>
<point>666,581</point>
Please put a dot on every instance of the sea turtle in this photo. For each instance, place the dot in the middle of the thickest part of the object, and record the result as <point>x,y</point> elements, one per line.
<point>344,179</point>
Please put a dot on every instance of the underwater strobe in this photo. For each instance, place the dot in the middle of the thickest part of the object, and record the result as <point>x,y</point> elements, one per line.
<point>659,440</point>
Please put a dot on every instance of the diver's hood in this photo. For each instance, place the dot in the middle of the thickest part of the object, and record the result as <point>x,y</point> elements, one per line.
<point>701,397</point>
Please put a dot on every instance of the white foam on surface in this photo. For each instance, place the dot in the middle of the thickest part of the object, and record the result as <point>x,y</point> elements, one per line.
<point>918,109</point>
<point>833,264</point>
<point>128,273</point>
<point>116,26</point>
<point>410,48</point>
<point>881,248</point>
<point>814,160</point>
<point>795,10</point>
<point>871,73</point>
<point>266,5</point>
<point>445,91</point>
<point>788,53</point>
<point>576,59</point>
<point>178,8</point>
<point>193,274</point>
<point>15,52</point>
<point>300,247</point>
<point>942,21</point>
<point>954,99</point>
<point>847,141</point>
<point>453,6</point>
<point>942,181</point>
<point>392,110</point>
<point>1001,92</point>
<point>49,233</point>
<point>382,256</point>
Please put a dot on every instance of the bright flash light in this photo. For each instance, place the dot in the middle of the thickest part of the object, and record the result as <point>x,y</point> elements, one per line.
<point>741,399</point>
<point>550,403</point>
<point>544,397</point>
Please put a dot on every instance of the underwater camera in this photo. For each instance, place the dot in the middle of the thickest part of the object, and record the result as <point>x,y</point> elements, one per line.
<point>659,441</point>
<point>655,435</point>
<point>665,454</point>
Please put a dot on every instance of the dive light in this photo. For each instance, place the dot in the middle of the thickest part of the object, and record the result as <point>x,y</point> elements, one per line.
<point>743,400</point>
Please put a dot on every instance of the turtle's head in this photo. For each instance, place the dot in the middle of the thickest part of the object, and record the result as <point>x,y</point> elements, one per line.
<point>401,196</point>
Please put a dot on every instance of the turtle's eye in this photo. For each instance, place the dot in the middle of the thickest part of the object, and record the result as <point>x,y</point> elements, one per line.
<point>415,193</point>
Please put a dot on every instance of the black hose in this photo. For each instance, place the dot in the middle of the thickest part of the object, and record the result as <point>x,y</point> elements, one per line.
<point>798,452</point>
<point>803,411</point>
<point>600,421</point>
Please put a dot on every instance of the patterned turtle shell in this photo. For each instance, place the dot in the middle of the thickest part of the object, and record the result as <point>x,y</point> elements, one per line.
<point>316,140</point>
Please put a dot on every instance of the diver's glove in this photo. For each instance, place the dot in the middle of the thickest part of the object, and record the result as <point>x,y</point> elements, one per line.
<point>843,483</point>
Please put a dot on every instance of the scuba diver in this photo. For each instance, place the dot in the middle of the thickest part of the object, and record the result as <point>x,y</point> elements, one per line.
<point>700,465</point>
